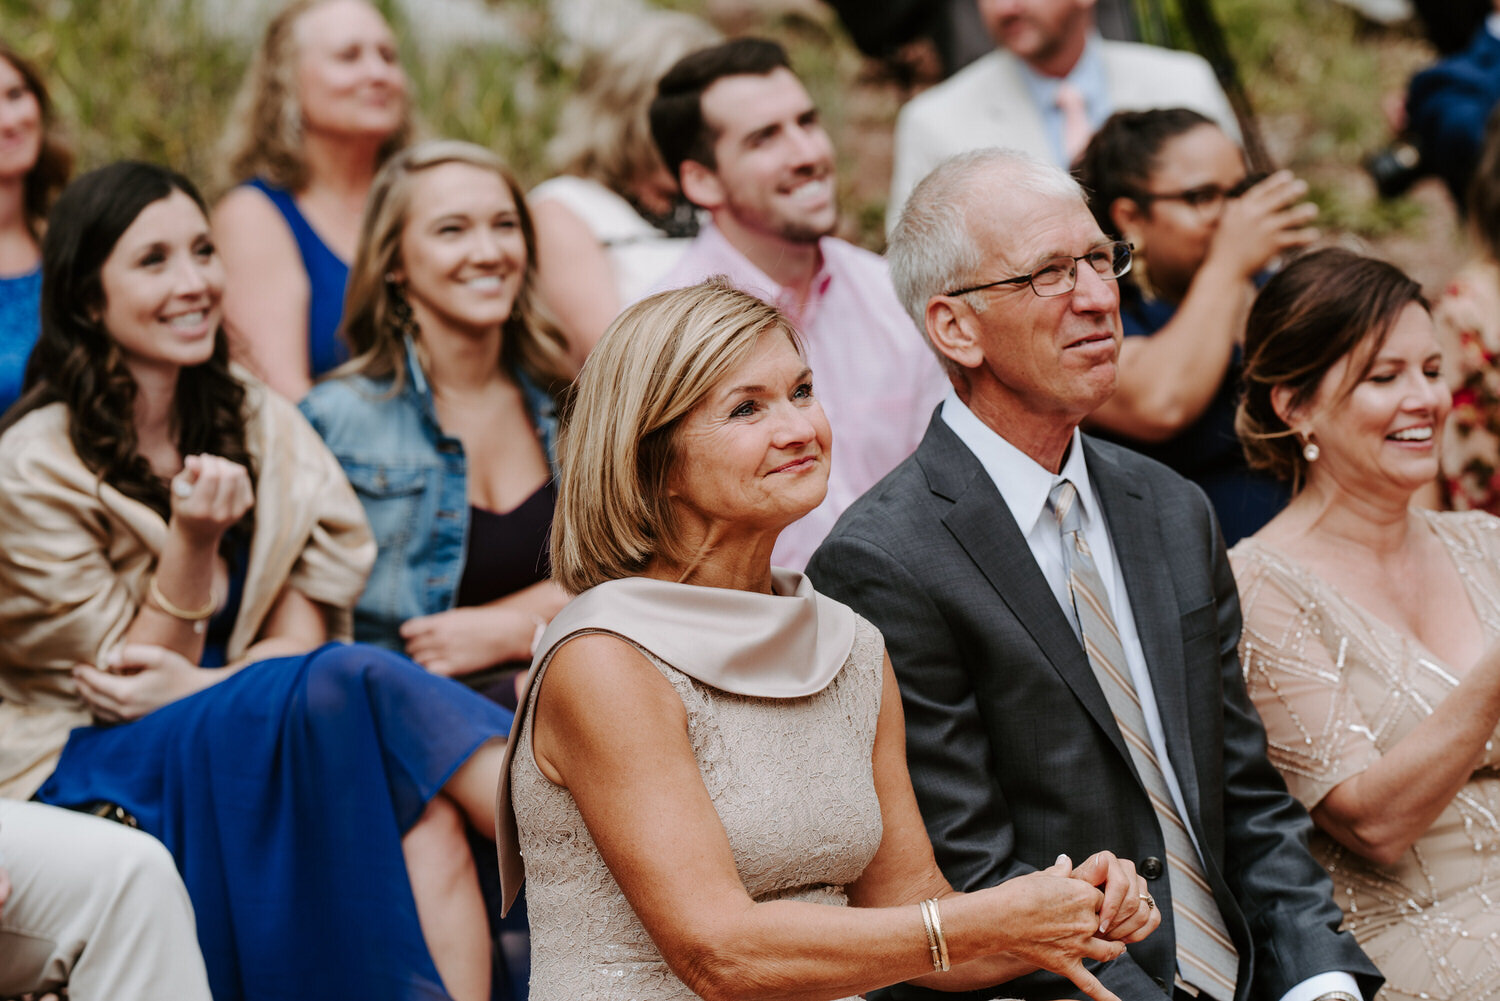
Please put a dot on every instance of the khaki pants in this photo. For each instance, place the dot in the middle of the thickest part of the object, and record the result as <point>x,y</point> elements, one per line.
<point>94,906</point>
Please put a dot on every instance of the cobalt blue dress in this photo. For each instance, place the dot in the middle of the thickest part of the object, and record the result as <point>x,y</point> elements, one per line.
<point>20,323</point>
<point>327,276</point>
<point>1207,451</point>
<point>283,792</point>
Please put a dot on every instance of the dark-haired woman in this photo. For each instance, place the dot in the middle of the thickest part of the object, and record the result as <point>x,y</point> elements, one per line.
<point>34,165</point>
<point>161,513</point>
<point>1372,627</point>
<point>1175,186</point>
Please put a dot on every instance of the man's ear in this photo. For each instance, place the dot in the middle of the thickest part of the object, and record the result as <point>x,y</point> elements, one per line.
<point>701,185</point>
<point>954,331</point>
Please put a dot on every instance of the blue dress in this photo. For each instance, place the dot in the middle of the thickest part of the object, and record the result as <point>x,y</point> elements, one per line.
<point>20,323</point>
<point>327,276</point>
<point>283,792</point>
<point>1207,451</point>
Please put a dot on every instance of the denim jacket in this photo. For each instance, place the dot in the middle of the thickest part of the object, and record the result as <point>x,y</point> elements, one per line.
<point>413,481</point>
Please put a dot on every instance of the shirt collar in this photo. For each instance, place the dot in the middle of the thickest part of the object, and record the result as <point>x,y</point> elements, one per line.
<point>1024,484</point>
<point>746,276</point>
<point>1087,75</point>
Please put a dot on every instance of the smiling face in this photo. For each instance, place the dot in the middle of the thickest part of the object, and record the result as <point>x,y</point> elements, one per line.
<point>20,124</point>
<point>774,162</point>
<point>1044,359</point>
<point>754,454</point>
<point>1384,435</point>
<point>162,286</point>
<point>349,79</point>
<point>462,252</point>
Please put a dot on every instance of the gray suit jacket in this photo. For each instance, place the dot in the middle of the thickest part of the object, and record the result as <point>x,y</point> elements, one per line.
<point>1014,754</point>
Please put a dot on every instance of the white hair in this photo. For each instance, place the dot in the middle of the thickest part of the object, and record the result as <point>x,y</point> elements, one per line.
<point>933,248</point>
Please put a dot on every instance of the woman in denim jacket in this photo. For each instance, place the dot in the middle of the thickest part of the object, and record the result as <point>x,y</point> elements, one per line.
<point>443,420</point>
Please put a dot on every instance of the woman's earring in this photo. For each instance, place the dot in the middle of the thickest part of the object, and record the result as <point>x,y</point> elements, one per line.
<point>1310,450</point>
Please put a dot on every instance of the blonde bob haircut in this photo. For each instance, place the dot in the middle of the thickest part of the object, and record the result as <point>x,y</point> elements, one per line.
<point>657,362</point>
<point>604,133</point>
<point>373,325</point>
<point>264,137</point>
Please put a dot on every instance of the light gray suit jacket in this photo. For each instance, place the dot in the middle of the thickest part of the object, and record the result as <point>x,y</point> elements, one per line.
<point>1015,756</point>
<point>987,104</point>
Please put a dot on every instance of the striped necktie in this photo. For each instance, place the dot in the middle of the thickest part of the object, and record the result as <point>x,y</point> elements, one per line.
<point>1205,955</point>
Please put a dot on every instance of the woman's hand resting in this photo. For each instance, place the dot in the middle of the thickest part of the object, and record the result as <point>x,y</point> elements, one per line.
<point>209,496</point>
<point>138,678</point>
<point>464,640</point>
<point>1056,915</point>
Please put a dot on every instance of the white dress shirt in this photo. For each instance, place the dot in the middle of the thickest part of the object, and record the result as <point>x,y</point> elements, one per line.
<point>1024,485</point>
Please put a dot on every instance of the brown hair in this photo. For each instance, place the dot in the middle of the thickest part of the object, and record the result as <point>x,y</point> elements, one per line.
<point>1323,307</point>
<point>54,163</point>
<point>373,323</point>
<point>264,138</point>
<point>655,363</point>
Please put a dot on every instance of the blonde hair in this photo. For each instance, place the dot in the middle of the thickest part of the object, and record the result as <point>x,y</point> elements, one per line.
<point>604,133</point>
<point>373,325</point>
<point>653,366</point>
<point>264,137</point>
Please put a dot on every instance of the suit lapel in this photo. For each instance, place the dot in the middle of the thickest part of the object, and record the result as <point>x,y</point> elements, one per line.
<point>984,527</point>
<point>1142,553</point>
<point>1013,119</point>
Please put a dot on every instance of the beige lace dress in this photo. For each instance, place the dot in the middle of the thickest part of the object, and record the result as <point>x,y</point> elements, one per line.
<point>1337,688</point>
<point>791,779</point>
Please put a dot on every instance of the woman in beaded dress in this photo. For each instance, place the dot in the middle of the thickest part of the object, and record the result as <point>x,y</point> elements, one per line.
<point>1371,641</point>
<point>710,787</point>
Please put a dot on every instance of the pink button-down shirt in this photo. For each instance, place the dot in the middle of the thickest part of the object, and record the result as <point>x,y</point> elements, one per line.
<point>876,377</point>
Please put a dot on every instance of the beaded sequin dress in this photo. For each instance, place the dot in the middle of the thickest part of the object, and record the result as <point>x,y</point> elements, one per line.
<point>792,781</point>
<point>1337,688</point>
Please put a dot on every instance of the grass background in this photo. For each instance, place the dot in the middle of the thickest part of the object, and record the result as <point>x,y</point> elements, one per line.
<point>146,79</point>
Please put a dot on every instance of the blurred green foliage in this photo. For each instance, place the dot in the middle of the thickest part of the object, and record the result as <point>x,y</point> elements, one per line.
<point>146,78</point>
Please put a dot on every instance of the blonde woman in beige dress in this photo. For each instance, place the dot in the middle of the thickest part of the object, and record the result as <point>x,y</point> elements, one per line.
<point>1372,628</point>
<point>709,781</point>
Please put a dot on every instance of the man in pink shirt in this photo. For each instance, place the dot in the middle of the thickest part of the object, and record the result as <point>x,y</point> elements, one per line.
<point>740,133</point>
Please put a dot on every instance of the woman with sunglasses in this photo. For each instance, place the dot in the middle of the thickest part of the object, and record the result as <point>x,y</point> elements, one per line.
<point>1170,182</point>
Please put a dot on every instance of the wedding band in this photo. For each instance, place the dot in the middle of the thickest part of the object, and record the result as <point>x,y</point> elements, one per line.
<point>1150,903</point>
<point>182,488</point>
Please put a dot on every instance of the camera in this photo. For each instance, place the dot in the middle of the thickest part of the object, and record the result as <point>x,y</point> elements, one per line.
<point>1395,168</point>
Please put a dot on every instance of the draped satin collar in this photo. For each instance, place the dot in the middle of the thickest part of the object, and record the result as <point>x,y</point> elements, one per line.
<point>784,645</point>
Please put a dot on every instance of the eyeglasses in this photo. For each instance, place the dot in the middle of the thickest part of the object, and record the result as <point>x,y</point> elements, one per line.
<point>1205,198</point>
<point>1060,274</point>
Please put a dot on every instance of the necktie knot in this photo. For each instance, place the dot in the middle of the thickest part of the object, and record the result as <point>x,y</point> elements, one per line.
<point>1062,501</point>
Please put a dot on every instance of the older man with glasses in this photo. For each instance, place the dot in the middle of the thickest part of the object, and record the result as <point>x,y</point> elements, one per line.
<point>1062,618</point>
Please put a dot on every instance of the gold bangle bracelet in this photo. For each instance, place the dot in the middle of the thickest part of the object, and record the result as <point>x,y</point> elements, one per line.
<point>937,931</point>
<point>184,614</point>
<point>931,936</point>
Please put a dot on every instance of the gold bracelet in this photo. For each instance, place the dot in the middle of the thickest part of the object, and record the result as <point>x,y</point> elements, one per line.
<point>931,937</point>
<point>937,931</point>
<point>185,615</point>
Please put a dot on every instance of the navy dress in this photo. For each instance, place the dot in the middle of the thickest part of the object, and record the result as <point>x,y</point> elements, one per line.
<point>327,276</point>
<point>283,792</point>
<point>1207,451</point>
